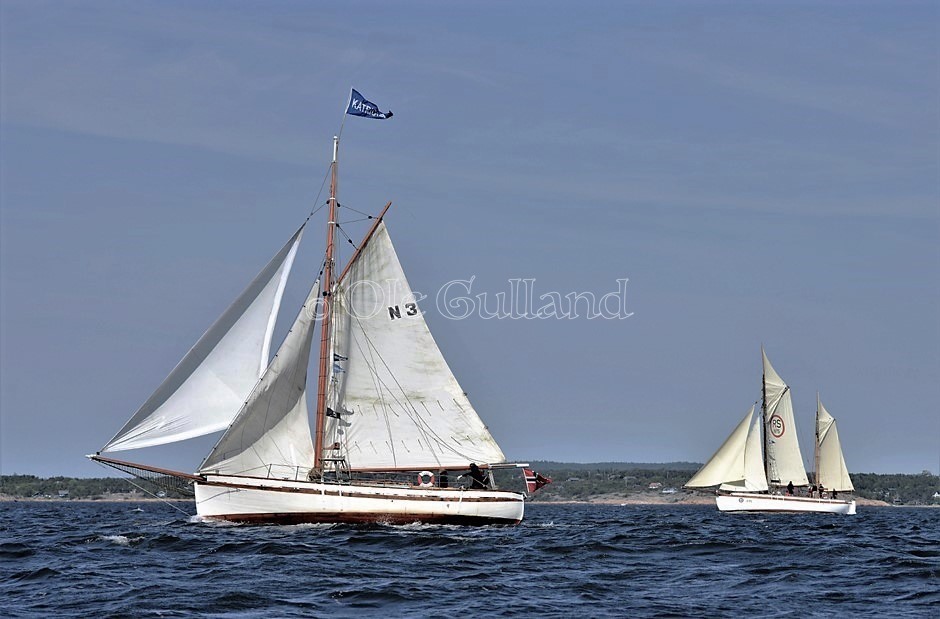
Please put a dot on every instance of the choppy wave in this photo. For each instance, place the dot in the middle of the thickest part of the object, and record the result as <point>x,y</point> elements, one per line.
<point>97,559</point>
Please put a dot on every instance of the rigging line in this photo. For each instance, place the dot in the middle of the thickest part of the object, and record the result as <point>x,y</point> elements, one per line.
<point>319,193</point>
<point>378,385</point>
<point>144,490</point>
<point>343,232</point>
<point>301,370</point>
<point>353,221</point>
<point>381,389</point>
<point>316,210</point>
<point>357,211</point>
<point>423,426</point>
<point>298,368</point>
<point>333,391</point>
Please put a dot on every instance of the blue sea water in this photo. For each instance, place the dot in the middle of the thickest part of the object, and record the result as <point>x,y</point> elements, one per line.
<point>72,559</point>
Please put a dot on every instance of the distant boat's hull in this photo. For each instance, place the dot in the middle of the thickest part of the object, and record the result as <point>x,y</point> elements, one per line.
<point>750,502</point>
<point>256,500</point>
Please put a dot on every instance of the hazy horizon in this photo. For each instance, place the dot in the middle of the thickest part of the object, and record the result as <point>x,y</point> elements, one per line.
<point>759,174</point>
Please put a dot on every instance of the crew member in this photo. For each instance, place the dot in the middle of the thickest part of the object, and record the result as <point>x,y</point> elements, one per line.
<point>478,477</point>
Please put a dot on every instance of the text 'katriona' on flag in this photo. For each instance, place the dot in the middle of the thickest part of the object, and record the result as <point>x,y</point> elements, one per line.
<point>360,106</point>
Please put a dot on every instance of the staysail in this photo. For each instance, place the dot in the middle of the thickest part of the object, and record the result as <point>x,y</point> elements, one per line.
<point>270,436</point>
<point>755,479</point>
<point>832,473</point>
<point>393,401</point>
<point>206,389</point>
<point>784,460</point>
<point>737,465</point>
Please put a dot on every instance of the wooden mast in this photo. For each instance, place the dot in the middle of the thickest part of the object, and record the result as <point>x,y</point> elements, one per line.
<point>327,291</point>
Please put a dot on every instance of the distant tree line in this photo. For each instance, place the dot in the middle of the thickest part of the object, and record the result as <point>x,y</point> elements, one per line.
<point>571,482</point>
<point>30,486</point>
<point>578,482</point>
<point>900,489</point>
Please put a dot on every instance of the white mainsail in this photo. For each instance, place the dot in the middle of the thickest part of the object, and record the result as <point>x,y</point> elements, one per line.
<point>394,402</point>
<point>205,390</point>
<point>270,436</point>
<point>737,465</point>
<point>832,473</point>
<point>784,460</point>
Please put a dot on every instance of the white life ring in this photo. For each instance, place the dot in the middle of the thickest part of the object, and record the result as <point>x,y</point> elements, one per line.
<point>425,479</point>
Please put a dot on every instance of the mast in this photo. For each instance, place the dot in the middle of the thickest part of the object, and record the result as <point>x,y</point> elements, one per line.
<point>325,322</point>
<point>816,453</point>
<point>763,417</point>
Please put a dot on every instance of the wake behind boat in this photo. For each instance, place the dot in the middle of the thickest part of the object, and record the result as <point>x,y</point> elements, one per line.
<point>756,474</point>
<point>395,438</point>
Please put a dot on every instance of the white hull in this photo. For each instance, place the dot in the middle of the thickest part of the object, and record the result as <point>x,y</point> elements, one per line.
<point>751,502</point>
<point>252,499</point>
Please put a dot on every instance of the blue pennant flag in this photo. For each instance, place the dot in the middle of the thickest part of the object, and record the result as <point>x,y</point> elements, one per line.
<point>360,106</point>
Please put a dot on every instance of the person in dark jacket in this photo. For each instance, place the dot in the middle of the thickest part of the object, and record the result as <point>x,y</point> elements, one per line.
<point>478,477</point>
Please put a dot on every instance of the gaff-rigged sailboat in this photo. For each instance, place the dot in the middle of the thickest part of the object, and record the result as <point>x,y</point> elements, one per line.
<point>754,474</point>
<point>392,424</point>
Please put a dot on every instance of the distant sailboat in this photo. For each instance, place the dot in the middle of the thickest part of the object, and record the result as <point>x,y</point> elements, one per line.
<point>753,474</point>
<point>390,414</point>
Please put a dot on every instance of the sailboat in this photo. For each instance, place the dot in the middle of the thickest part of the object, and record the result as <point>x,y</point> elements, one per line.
<point>760,462</point>
<point>395,438</point>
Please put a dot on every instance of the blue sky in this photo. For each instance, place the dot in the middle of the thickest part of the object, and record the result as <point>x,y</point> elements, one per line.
<point>761,172</point>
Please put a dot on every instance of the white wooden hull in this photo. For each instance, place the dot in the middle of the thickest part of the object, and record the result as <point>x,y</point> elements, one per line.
<point>751,502</point>
<point>252,499</point>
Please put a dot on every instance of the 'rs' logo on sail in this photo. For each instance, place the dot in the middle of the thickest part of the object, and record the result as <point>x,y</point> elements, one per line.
<point>411,309</point>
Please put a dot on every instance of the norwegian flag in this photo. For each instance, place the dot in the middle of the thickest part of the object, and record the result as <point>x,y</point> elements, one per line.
<point>534,481</point>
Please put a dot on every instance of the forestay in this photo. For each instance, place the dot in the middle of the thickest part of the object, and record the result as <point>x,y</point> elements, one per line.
<point>832,473</point>
<point>270,437</point>
<point>206,389</point>
<point>394,402</point>
<point>784,461</point>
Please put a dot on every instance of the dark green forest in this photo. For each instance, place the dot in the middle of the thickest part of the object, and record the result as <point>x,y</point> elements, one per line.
<point>581,482</point>
<point>100,488</point>
<point>571,482</point>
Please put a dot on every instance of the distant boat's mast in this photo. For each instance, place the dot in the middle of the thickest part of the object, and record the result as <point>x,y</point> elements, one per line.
<point>816,455</point>
<point>763,419</point>
<point>325,322</point>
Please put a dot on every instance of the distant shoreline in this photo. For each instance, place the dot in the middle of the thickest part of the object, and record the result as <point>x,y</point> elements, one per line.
<point>686,500</point>
<point>575,485</point>
<point>19,499</point>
